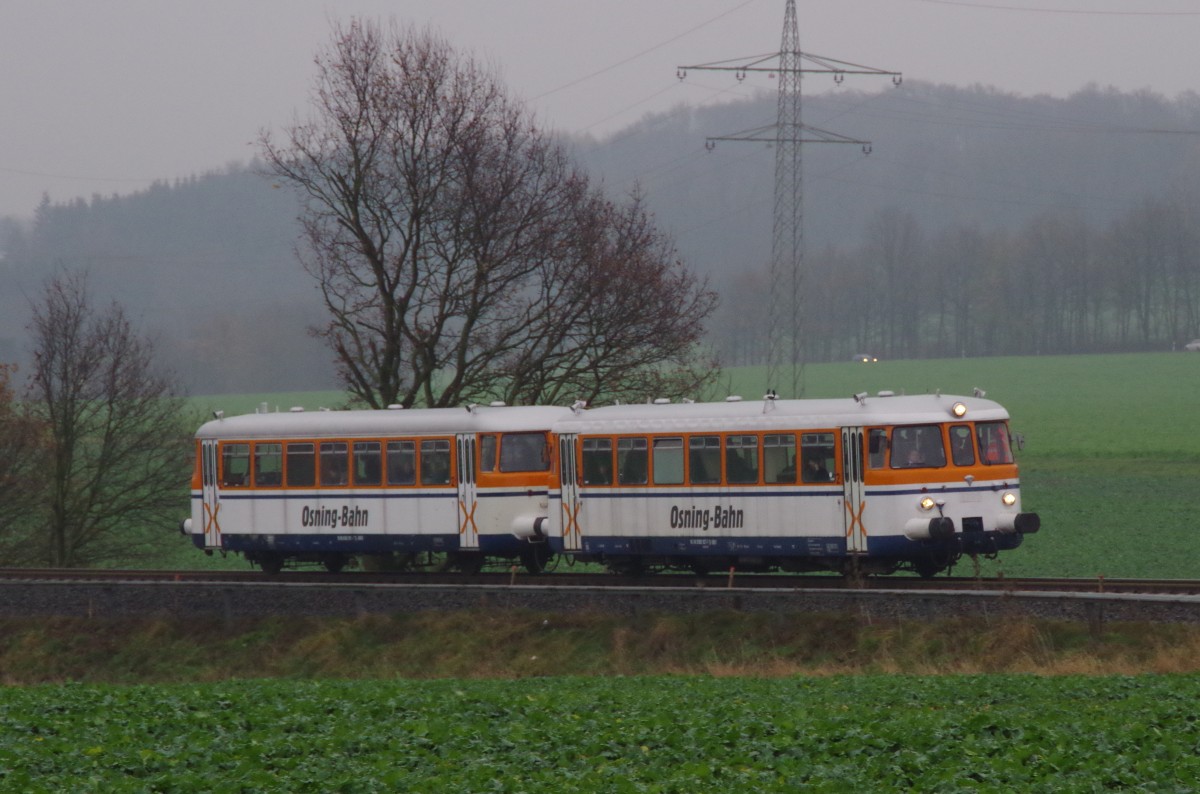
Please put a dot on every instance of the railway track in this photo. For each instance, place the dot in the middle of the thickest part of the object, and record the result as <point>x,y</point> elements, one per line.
<point>568,579</point>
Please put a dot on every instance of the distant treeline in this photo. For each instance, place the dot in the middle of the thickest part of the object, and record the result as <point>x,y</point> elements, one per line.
<point>982,223</point>
<point>1056,285</point>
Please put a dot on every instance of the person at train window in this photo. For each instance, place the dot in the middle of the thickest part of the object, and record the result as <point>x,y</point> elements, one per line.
<point>401,463</point>
<point>435,462</point>
<point>598,470</point>
<point>334,465</point>
<point>993,443</point>
<point>961,449</point>
<point>633,461</point>
<point>814,470</point>
<point>597,461</point>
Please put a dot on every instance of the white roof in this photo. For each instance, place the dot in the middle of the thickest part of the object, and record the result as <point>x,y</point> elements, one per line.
<point>760,415</point>
<point>383,423</point>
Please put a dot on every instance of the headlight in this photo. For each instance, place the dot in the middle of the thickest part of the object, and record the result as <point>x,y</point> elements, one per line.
<point>1009,498</point>
<point>959,410</point>
<point>927,503</point>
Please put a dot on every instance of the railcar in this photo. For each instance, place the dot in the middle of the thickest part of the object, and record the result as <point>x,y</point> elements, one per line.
<point>326,486</point>
<point>869,484</point>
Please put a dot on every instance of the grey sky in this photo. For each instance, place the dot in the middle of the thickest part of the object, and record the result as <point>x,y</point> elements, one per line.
<point>105,97</point>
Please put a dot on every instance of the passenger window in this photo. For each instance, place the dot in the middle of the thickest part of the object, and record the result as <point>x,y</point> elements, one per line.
<point>917,447</point>
<point>597,461</point>
<point>301,465</point>
<point>816,456</point>
<point>487,453</point>
<point>668,461</point>
<point>235,465</point>
<point>779,458</point>
<point>401,462</point>
<point>435,462</point>
<point>632,461</point>
<point>876,447</point>
<point>962,450</point>
<point>334,468</point>
<point>367,463</point>
<point>523,452</point>
<point>704,460</point>
<point>741,459</point>
<point>268,465</point>
<point>993,443</point>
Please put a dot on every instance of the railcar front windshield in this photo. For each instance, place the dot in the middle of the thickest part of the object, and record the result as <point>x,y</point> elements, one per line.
<point>918,447</point>
<point>994,448</point>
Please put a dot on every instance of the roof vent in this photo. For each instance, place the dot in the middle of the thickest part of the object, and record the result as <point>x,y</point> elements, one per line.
<point>395,407</point>
<point>887,393</point>
<point>662,401</point>
<point>733,398</point>
<point>296,409</point>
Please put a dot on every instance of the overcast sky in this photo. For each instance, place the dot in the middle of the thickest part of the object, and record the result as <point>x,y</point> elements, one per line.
<point>107,96</point>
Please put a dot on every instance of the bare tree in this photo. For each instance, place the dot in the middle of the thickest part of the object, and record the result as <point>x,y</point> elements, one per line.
<point>118,450</point>
<point>452,238</point>
<point>21,459</point>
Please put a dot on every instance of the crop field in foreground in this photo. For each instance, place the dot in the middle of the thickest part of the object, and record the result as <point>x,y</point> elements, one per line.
<point>871,733</point>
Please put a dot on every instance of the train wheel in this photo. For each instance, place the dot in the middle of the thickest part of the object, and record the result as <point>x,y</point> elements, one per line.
<point>534,557</point>
<point>928,568</point>
<point>334,563</point>
<point>271,563</point>
<point>469,562</point>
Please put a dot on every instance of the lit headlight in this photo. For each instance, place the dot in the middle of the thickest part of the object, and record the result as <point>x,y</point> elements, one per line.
<point>959,410</point>
<point>1009,498</point>
<point>927,503</point>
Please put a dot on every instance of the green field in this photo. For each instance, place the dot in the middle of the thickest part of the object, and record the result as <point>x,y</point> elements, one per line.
<point>658,734</point>
<point>1111,459</point>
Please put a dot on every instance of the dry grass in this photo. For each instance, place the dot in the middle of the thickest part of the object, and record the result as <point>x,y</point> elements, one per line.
<point>510,645</point>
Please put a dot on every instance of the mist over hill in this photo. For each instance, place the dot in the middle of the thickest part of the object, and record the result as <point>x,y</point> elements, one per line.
<point>208,264</point>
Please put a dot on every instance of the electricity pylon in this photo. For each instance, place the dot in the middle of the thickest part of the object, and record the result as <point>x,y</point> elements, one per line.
<point>785,346</point>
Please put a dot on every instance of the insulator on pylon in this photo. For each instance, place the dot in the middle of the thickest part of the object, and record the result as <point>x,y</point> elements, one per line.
<point>681,73</point>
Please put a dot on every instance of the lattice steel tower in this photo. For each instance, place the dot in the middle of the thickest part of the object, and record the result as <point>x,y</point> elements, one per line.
<point>785,347</point>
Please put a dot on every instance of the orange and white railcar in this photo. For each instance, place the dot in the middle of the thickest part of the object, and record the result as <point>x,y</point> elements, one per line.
<point>872,484</point>
<point>328,485</point>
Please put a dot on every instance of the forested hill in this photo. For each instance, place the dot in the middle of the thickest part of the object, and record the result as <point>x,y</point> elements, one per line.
<point>955,185</point>
<point>950,157</point>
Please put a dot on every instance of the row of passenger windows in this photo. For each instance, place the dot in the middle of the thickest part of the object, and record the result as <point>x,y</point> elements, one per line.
<point>771,458</point>
<point>707,460</point>
<point>663,460</point>
<point>304,464</point>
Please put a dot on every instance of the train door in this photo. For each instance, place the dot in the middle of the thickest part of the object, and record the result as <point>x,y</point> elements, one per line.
<point>468,530</point>
<point>853,499</point>
<point>210,500</point>
<point>572,537</point>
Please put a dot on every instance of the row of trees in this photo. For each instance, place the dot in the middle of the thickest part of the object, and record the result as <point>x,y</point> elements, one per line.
<point>1057,285</point>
